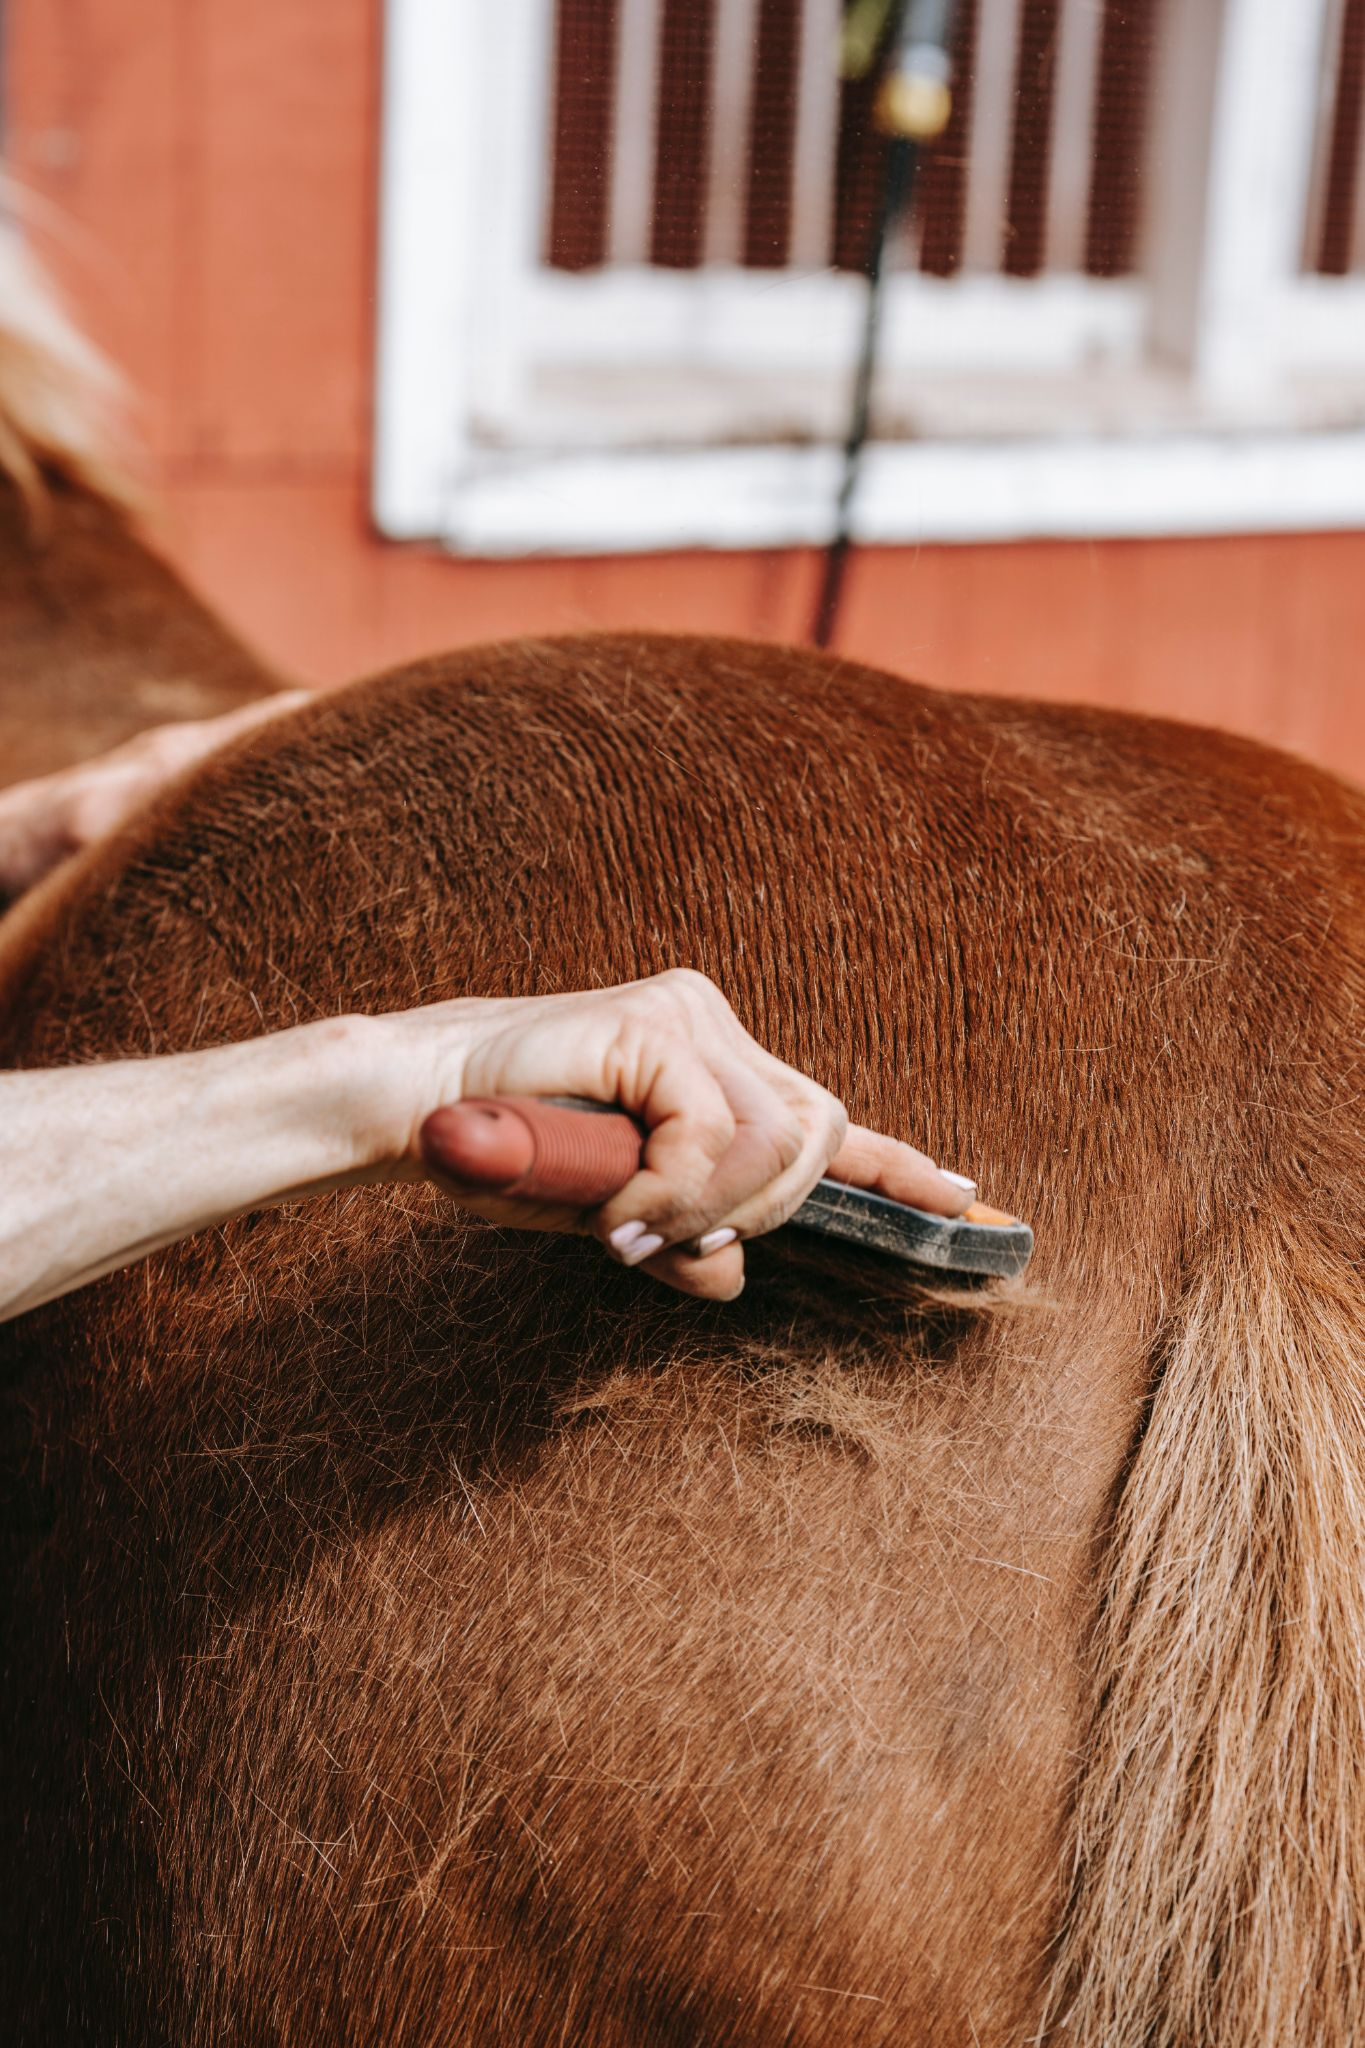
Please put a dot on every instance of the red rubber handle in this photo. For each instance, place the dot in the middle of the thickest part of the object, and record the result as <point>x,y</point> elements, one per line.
<point>535,1151</point>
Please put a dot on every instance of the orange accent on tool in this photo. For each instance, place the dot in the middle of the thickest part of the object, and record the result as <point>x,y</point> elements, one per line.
<point>535,1151</point>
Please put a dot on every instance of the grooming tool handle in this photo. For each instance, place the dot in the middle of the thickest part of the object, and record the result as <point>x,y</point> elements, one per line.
<point>534,1150</point>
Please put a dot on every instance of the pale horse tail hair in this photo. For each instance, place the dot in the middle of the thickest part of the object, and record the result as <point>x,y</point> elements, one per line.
<point>1218,1875</point>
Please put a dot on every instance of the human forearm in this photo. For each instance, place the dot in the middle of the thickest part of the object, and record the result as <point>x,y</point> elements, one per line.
<point>107,1163</point>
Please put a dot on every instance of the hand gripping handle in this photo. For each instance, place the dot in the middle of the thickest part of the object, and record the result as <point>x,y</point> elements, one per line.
<point>533,1150</point>
<point>576,1154</point>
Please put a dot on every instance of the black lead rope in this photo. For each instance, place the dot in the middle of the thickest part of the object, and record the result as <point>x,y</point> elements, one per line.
<point>897,185</point>
<point>912,108</point>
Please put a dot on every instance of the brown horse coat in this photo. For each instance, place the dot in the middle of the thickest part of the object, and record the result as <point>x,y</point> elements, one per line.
<point>419,1634</point>
<point>99,638</point>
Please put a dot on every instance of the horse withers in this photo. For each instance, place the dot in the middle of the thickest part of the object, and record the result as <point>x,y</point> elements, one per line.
<point>99,636</point>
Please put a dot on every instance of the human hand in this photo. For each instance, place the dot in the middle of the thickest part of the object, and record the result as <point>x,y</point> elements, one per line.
<point>44,821</point>
<point>736,1139</point>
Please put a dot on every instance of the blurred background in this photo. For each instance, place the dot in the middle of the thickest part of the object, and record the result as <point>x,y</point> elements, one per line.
<point>448,319</point>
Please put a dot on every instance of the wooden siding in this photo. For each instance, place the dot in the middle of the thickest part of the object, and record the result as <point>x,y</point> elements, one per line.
<point>214,162</point>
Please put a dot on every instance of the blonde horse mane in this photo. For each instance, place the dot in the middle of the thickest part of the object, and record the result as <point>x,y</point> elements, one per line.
<point>59,398</point>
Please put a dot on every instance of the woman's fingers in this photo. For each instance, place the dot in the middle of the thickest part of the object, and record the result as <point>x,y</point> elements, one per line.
<point>866,1159</point>
<point>760,1158</point>
<point>718,1278</point>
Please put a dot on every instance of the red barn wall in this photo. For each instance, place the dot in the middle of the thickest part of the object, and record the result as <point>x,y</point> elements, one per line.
<point>208,170</point>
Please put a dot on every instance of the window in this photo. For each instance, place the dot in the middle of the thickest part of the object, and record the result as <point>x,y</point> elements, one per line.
<point>619,308</point>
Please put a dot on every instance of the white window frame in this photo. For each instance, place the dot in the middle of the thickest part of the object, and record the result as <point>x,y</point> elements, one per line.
<point>464,455</point>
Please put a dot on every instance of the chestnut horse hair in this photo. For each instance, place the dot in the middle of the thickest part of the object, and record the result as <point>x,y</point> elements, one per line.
<point>99,638</point>
<point>422,1633</point>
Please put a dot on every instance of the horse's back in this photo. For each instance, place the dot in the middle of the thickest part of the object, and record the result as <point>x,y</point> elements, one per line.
<point>423,1634</point>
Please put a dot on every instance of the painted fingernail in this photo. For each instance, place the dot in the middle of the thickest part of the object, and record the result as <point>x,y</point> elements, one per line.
<point>642,1249</point>
<point>959,1180</point>
<point>714,1240</point>
<point>625,1235</point>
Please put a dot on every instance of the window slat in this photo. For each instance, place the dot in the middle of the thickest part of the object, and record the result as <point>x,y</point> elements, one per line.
<point>1031,148</point>
<point>1073,133</point>
<point>682,150</point>
<point>732,68</point>
<point>1356,257</point>
<point>1118,181</point>
<point>997,50</point>
<point>637,99</point>
<point>584,111</point>
<point>1338,249</point>
<point>816,133</point>
<point>1316,201</point>
<point>943,179</point>
<point>859,159</point>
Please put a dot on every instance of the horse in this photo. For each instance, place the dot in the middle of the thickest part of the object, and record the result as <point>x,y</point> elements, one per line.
<point>420,1632</point>
<point>99,636</point>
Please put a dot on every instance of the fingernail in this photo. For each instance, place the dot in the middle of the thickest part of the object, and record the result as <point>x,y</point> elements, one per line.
<point>959,1180</point>
<point>643,1248</point>
<point>714,1240</point>
<point>624,1235</point>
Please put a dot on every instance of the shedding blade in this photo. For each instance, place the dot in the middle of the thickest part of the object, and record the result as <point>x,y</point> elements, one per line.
<point>995,1249</point>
